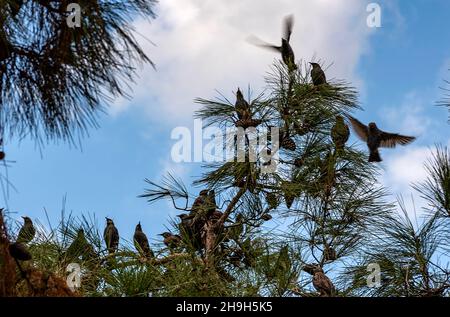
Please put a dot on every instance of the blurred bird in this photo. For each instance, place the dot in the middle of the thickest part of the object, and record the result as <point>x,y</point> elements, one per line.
<point>199,203</point>
<point>80,247</point>
<point>322,283</point>
<point>190,233</point>
<point>340,133</point>
<point>318,75</point>
<point>27,232</point>
<point>19,251</point>
<point>242,107</point>
<point>172,241</point>
<point>287,53</point>
<point>111,236</point>
<point>141,242</point>
<point>376,138</point>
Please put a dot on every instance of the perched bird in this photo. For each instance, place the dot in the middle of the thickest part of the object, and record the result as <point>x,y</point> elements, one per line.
<point>318,75</point>
<point>27,232</point>
<point>111,236</point>
<point>171,240</point>
<point>322,283</point>
<point>190,233</point>
<point>340,133</point>
<point>80,247</point>
<point>19,251</point>
<point>141,242</point>
<point>199,203</point>
<point>376,138</point>
<point>242,107</point>
<point>287,53</point>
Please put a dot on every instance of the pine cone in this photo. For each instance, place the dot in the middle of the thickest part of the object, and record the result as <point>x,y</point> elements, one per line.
<point>288,144</point>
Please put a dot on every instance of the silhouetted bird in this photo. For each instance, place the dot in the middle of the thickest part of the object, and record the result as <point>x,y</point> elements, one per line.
<point>19,251</point>
<point>376,138</point>
<point>242,107</point>
<point>318,75</point>
<point>287,53</point>
<point>141,242</point>
<point>340,133</point>
<point>27,232</point>
<point>80,247</point>
<point>111,236</point>
<point>322,283</point>
<point>172,241</point>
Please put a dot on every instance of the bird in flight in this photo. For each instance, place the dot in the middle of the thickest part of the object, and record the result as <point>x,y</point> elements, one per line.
<point>287,53</point>
<point>376,138</point>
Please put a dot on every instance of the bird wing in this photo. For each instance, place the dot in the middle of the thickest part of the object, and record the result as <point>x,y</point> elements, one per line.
<point>390,140</point>
<point>361,129</point>
<point>288,23</point>
<point>258,42</point>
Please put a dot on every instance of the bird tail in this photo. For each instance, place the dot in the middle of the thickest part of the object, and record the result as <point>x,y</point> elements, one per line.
<point>375,156</point>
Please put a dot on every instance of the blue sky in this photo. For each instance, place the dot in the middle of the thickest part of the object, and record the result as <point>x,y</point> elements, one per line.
<point>398,68</point>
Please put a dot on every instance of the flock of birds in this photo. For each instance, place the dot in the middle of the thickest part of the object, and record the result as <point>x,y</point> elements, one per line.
<point>370,134</point>
<point>204,207</point>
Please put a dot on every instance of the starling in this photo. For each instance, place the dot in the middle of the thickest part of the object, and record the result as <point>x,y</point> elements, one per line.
<point>141,242</point>
<point>80,247</point>
<point>190,231</point>
<point>199,203</point>
<point>376,138</point>
<point>19,251</point>
<point>322,283</point>
<point>111,236</point>
<point>287,53</point>
<point>27,232</point>
<point>171,240</point>
<point>318,75</point>
<point>340,133</point>
<point>242,107</point>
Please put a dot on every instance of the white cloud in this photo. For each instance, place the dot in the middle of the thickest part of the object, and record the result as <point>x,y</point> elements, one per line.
<point>410,117</point>
<point>201,47</point>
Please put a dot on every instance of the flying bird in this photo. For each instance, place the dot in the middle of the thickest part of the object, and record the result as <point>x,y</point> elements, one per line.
<point>318,75</point>
<point>322,283</point>
<point>111,236</point>
<point>141,242</point>
<point>287,53</point>
<point>376,138</point>
<point>27,232</point>
<point>340,133</point>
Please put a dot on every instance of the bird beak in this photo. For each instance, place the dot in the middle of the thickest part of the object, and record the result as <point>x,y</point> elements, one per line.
<point>23,217</point>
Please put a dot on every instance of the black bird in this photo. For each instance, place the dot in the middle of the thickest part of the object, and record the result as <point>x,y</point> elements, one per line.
<point>318,75</point>
<point>111,236</point>
<point>141,242</point>
<point>322,283</point>
<point>376,138</point>
<point>242,107</point>
<point>19,251</point>
<point>340,133</point>
<point>27,232</point>
<point>171,240</point>
<point>287,53</point>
